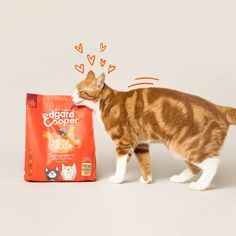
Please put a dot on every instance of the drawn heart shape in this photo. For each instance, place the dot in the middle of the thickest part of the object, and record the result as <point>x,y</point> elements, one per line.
<point>91,59</point>
<point>102,47</point>
<point>102,62</point>
<point>111,68</point>
<point>79,48</point>
<point>80,68</point>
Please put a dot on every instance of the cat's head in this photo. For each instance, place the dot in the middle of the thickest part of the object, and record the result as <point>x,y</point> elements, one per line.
<point>88,91</point>
<point>52,173</point>
<point>69,170</point>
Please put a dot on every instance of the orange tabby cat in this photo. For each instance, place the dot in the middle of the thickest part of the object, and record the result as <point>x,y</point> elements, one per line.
<point>189,126</point>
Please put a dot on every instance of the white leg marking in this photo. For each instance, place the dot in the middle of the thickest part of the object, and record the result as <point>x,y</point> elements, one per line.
<point>183,177</point>
<point>121,167</point>
<point>209,168</point>
<point>143,181</point>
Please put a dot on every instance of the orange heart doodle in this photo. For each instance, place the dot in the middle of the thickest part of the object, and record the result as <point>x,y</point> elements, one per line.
<point>102,47</point>
<point>111,68</point>
<point>79,48</point>
<point>80,68</point>
<point>102,62</point>
<point>91,59</point>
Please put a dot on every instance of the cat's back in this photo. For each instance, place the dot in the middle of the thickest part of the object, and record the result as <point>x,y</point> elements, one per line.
<point>169,99</point>
<point>153,94</point>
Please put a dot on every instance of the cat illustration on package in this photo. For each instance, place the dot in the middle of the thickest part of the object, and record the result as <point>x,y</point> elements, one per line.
<point>52,174</point>
<point>68,172</point>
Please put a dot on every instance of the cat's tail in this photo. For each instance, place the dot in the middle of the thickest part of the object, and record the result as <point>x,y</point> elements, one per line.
<point>230,114</point>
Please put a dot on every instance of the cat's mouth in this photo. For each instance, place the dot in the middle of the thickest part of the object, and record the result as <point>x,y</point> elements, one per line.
<point>76,100</point>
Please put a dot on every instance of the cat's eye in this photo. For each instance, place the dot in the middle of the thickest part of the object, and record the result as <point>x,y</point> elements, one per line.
<point>81,93</point>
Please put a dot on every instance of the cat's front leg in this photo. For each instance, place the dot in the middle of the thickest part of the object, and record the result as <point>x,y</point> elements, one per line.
<point>121,167</point>
<point>123,155</point>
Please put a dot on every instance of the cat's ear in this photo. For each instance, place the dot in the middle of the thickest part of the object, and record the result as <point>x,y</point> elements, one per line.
<point>63,167</point>
<point>90,75</point>
<point>74,166</point>
<point>46,169</point>
<point>56,168</point>
<point>100,80</point>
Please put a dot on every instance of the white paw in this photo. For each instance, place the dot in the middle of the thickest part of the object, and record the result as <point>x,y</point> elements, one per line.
<point>147,181</point>
<point>116,179</point>
<point>197,186</point>
<point>176,179</point>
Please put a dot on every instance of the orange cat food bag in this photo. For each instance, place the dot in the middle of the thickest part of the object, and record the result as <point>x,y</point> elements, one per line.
<point>59,140</point>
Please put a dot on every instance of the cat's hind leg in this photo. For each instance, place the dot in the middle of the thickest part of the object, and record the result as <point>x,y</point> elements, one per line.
<point>186,175</point>
<point>209,168</point>
<point>143,156</point>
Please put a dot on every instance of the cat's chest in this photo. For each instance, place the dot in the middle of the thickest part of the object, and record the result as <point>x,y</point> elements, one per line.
<point>103,116</point>
<point>110,115</point>
<point>97,114</point>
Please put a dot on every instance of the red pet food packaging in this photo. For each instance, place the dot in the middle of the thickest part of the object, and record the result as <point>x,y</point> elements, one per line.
<point>59,140</point>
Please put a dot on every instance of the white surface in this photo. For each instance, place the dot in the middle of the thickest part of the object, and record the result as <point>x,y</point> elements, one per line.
<point>189,45</point>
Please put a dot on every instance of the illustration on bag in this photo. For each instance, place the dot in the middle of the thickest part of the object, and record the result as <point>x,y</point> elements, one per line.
<point>52,174</point>
<point>68,172</point>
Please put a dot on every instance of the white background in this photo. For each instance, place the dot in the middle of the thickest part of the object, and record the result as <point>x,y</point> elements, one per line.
<point>189,45</point>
